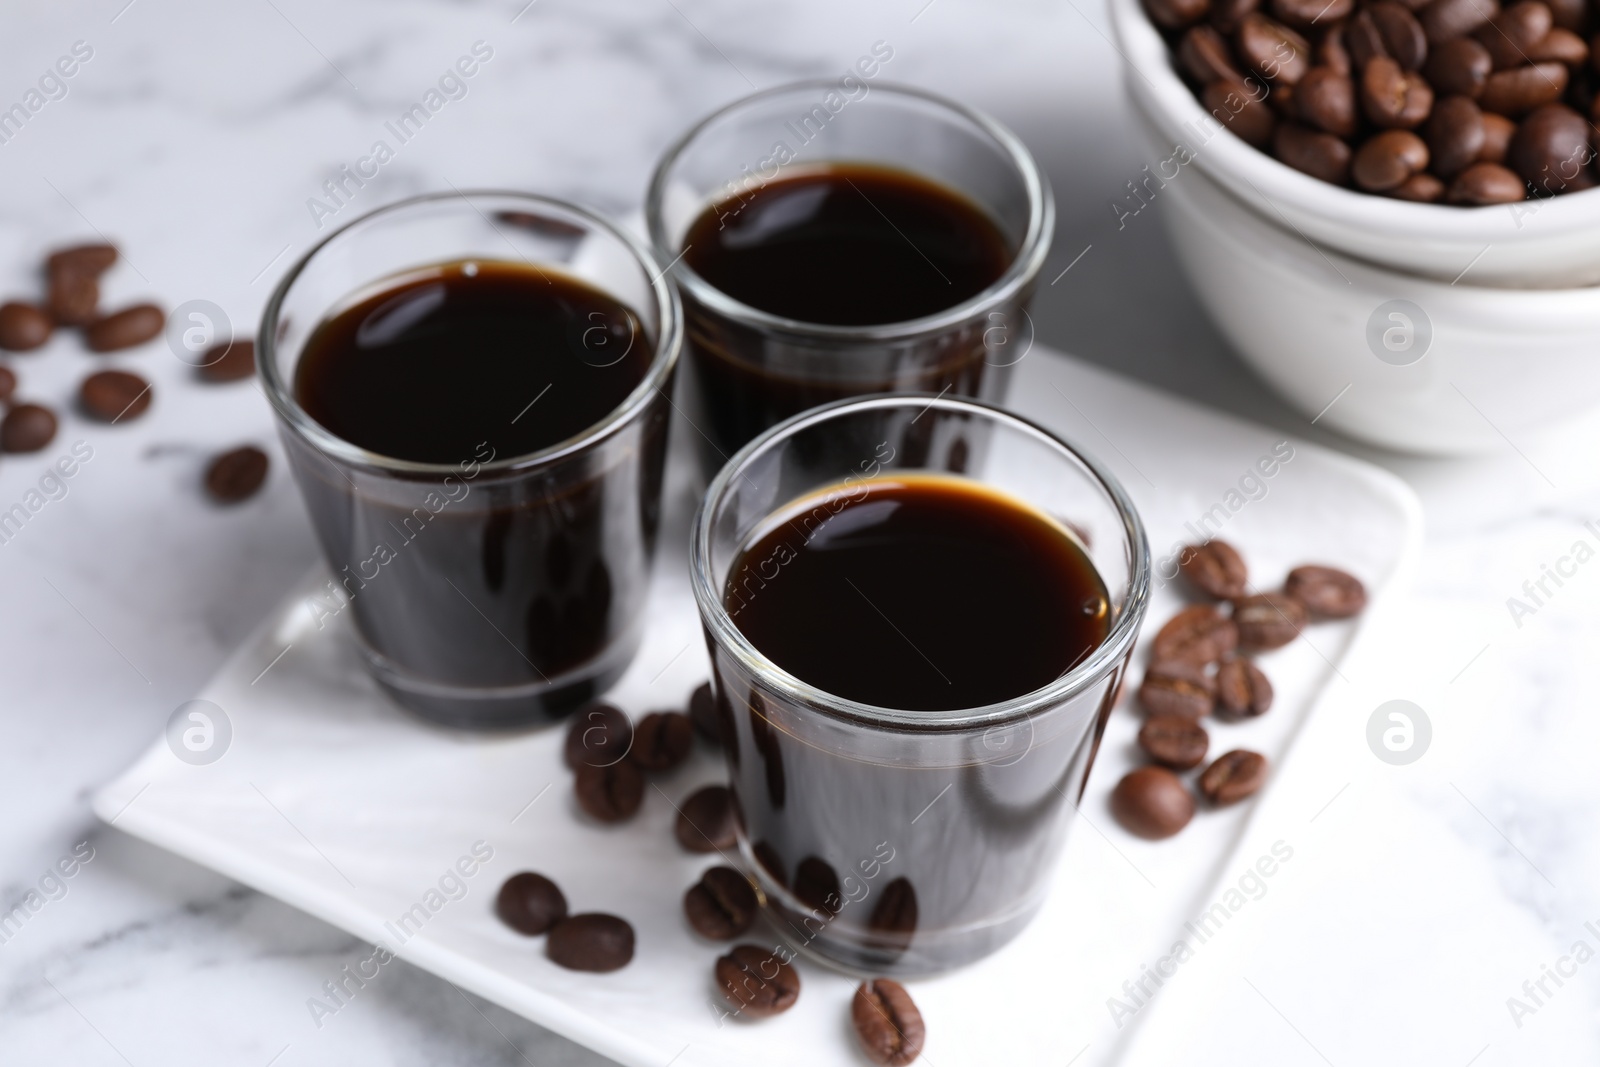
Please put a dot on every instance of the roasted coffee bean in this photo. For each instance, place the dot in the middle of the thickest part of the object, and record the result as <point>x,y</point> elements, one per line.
<point>816,884</point>
<point>1268,620</point>
<point>1198,634</point>
<point>228,362</point>
<point>1485,183</point>
<point>1310,14</point>
<point>593,941</point>
<point>887,1023</point>
<point>707,821</point>
<point>23,327</point>
<point>1560,46</point>
<point>1403,39</point>
<point>1243,690</point>
<point>611,792</point>
<point>1327,592</point>
<point>1321,155</point>
<point>1177,688</point>
<point>73,275</point>
<point>722,905</point>
<point>1419,189</point>
<point>27,428</point>
<point>92,260</point>
<point>1510,34</point>
<point>1363,39</point>
<point>114,396</point>
<point>1203,55</point>
<point>1445,20</point>
<point>1569,14</point>
<point>1517,92</point>
<point>662,740</point>
<point>1459,67</point>
<point>1227,14</point>
<point>1332,52</point>
<point>703,713</point>
<point>1497,133</point>
<point>1151,802</point>
<point>1215,568</point>
<point>1272,49</point>
<point>1326,99</point>
<point>599,735</point>
<point>1176,14</point>
<point>1455,135</point>
<point>1234,105</point>
<point>1175,741</point>
<point>8,384</point>
<point>757,982</point>
<point>1233,776</point>
<point>1394,98</point>
<point>530,903</point>
<point>1385,161</point>
<point>1551,151</point>
<point>894,917</point>
<point>125,328</point>
<point>235,475</point>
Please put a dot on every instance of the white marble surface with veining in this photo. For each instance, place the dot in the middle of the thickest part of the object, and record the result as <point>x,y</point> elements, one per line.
<point>194,137</point>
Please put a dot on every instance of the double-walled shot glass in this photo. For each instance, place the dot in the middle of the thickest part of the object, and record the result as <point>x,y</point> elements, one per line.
<point>749,369</point>
<point>498,590</point>
<point>894,841</point>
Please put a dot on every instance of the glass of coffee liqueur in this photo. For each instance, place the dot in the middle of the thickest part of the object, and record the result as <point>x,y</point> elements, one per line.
<point>838,238</point>
<point>472,389</point>
<point>918,610</point>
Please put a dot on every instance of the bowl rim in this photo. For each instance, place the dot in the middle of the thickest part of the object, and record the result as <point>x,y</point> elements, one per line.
<point>1239,166</point>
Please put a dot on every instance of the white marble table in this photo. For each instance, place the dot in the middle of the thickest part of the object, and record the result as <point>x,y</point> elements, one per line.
<point>194,136</point>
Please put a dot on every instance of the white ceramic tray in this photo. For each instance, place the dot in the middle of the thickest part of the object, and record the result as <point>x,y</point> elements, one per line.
<point>331,799</point>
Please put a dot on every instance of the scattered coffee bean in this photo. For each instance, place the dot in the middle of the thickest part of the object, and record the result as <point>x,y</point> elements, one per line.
<point>1204,56</point>
<point>757,982</point>
<point>707,821</point>
<point>1497,133</point>
<point>1268,620</point>
<point>887,1023</point>
<point>1233,776</point>
<point>8,384</point>
<point>1152,802</point>
<point>1551,152</point>
<point>1510,34</point>
<point>1328,592</point>
<point>1272,49</point>
<point>1175,741</point>
<point>114,396</point>
<point>593,941</point>
<point>1455,135</point>
<point>1321,155</point>
<point>74,280</point>
<point>1233,104</point>
<point>1326,99</point>
<point>228,362</point>
<point>1485,183</point>
<point>722,905</point>
<point>1177,687</point>
<point>1419,188</point>
<point>92,260</point>
<point>599,735</point>
<point>23,327</point>
<point>125,328</point>
<point>1242,689</point>
<point>530,903</point>
<point>703,713</point>
<point>1459,68</point>
<point>1216,569</point>
<point>236,475</point>
<point>661,741</point>
<point>611,792</point>
<point>1445,20</point>
<point>1198,634</point>
<point>27,428</point>
<point>1516,92</point>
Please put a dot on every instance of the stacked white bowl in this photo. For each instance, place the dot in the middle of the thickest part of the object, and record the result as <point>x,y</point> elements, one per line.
<point>1427,328</point>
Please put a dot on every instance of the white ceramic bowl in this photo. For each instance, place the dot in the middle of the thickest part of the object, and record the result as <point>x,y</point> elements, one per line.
<point>1500,363</point>
<point>1552,243</point>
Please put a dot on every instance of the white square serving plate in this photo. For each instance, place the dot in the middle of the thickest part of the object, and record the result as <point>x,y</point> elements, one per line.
<point>332,799</point>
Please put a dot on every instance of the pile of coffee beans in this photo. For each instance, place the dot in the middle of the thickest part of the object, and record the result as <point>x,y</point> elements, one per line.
<point>610,757</point>
<point>593,941</point>
<point>72,300</point>
<point>1201,664</point>
<point>1453,101</point>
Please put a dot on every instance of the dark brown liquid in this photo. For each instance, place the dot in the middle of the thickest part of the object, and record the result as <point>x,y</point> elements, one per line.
<point>529,584</point>
<point>431,368</point>
<point>919,594</point>
<point>900,849</point>
<point>848,246</point>
<point>839,245</point>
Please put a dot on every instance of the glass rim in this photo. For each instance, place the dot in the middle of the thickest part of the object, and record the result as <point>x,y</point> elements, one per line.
<point>668,344</point>
<point>1024,266</point>
<point>725,634</point>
